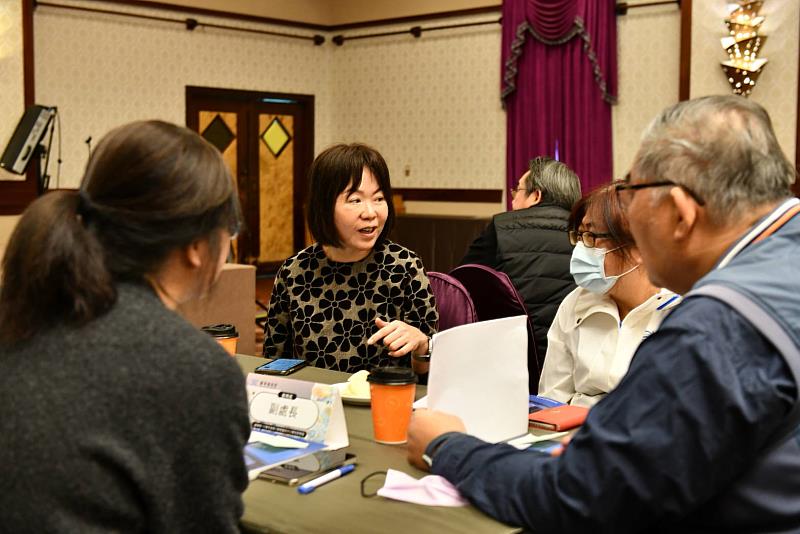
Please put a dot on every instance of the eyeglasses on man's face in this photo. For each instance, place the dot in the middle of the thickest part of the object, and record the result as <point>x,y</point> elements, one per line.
<point>626,189</point>
<point>514,190</point>
<point>587,238</point>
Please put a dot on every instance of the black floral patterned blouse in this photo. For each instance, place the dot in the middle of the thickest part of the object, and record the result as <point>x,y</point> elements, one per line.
<point>324,311</point>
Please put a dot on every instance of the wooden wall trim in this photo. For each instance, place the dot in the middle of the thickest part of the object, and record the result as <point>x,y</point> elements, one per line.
<point>306,25</point>
<point>244,95</point>
<point>416,18</point>
<point>622,9</point>
<point>429,195</point>
<point>686,50</point>
<point>219,13</point>
<point>449,195</point>
<point>15,196</point>
<point>27,52</point>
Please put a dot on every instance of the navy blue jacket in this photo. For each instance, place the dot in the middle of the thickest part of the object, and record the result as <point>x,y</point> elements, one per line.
<point>692,416</point>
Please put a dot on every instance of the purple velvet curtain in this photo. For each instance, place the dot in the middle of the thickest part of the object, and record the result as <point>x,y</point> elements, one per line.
<point>559,64</point>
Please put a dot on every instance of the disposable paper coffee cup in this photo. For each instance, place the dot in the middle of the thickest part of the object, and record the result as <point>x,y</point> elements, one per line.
<point>225,334</point>
<point>392,392</point>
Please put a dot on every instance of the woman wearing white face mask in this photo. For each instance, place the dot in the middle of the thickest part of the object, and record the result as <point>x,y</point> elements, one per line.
<point>600,324</point>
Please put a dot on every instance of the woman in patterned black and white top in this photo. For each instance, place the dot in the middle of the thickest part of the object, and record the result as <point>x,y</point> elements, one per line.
<point>353,300</point>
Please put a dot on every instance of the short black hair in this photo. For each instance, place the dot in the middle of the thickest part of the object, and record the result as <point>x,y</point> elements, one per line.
<point>330,174</point>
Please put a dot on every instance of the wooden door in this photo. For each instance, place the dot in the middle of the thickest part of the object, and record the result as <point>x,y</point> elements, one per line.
<point>267,141</point>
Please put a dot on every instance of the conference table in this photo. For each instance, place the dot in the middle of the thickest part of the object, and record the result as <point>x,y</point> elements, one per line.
<point>338,506</point>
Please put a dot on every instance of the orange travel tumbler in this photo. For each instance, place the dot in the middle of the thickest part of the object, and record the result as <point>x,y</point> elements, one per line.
<point>392,392</point>
<point>226,334</point>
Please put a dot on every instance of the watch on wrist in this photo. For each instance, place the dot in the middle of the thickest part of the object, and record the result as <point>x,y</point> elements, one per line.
<point>427,356</point>
<point>434,446</point>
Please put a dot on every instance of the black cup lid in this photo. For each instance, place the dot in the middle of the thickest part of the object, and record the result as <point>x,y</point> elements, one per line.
<point>221,330</point>
<point>395,376</point>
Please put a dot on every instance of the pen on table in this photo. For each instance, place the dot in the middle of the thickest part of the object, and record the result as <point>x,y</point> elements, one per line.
<point>311,485</point>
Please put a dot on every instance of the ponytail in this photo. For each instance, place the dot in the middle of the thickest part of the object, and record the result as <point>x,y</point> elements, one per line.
<point>54,269</point>
<point>150,188</point>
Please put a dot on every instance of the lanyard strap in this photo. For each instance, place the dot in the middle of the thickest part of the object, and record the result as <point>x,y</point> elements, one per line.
<point>770,224</point>
<point>786,217</point>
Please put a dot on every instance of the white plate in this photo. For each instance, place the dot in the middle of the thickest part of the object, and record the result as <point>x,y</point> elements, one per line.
<point>351,399</point>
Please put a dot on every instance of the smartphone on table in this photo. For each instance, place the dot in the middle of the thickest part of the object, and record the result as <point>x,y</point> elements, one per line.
<point>281,366</point>
<point>308,467</point>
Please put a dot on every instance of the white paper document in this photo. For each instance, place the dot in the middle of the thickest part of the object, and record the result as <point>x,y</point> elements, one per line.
<point>276,440</point>
<point>479,372</point>
<point>526,441</point>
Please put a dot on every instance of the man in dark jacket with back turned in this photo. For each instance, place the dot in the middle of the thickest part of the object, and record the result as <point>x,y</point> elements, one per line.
<point>530,243</point>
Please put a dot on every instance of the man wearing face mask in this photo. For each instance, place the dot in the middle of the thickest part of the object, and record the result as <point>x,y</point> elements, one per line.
<point>600,324</point>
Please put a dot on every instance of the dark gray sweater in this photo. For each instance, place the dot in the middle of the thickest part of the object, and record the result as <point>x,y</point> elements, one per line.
<point>133,423</point>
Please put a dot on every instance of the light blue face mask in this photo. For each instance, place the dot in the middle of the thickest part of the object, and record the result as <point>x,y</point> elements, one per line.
<point>588,268</point>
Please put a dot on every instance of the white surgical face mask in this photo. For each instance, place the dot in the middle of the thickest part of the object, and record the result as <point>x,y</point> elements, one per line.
<point>588,268</point>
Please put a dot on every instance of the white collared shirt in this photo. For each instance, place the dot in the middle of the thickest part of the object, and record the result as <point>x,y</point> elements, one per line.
<point>589,349</point>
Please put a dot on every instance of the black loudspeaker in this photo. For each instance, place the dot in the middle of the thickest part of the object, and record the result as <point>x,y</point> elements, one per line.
<point>27,136</point>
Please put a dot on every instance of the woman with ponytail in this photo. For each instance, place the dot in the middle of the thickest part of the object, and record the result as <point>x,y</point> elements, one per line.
<point>118,415</point>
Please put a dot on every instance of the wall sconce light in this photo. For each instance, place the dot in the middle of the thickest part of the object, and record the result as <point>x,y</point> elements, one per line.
<point>742,45</point>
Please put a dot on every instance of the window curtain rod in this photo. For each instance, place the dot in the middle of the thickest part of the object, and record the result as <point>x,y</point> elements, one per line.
<point>623,7</point>
<point>189,23</point>
<point>416,31</point>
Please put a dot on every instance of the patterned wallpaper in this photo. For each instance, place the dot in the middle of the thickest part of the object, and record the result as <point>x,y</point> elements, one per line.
<point>440,96</point>
<point>102,70</point>
<point>648,48</point>
<point>430,105</point>
<point>776,89</point>
<point>12,102</point>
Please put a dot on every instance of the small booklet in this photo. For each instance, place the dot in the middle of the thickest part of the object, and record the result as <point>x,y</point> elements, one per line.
<point>558,418</point>
<point>266,450</point>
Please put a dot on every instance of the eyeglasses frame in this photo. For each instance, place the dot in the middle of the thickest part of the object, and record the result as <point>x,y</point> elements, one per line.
<point>576,237</point>
<point>627,186</point>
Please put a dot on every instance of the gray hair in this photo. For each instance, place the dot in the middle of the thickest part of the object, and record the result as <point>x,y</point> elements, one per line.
<point>723,149</point>
<point>557,182</point>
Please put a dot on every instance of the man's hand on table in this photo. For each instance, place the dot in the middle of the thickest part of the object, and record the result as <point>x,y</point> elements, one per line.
<point>424,427</point>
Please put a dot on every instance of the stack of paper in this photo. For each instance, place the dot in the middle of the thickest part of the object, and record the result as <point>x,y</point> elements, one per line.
<point>479,372</point>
